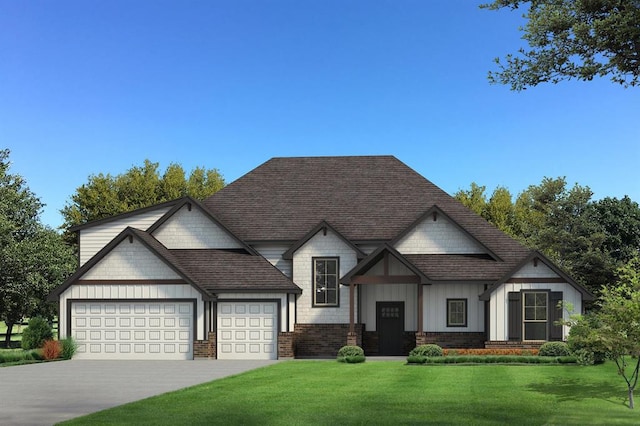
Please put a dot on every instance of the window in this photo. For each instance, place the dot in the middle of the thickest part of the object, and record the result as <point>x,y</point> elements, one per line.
<point>456,312</point>
<point>325,281</point>
<point>535,315</point>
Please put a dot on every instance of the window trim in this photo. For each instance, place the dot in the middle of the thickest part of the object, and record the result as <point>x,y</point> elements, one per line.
<point>466,312</point>
<point>313,282</point>
<point>526,321</point>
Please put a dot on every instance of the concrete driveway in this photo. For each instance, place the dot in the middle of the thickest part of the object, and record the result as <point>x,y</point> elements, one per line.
<point>47,393</point>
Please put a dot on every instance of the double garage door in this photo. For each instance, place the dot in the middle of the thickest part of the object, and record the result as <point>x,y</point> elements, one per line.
<point>247,330</point>
<point>133,330</point>
<point>165,330</point>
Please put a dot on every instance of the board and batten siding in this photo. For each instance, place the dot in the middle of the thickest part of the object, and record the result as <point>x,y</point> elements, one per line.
<point>499,305</point>
<point>192,229</point>
<point>372,293</point>
<point>146,292</point>
<point>130,261</point>
<point>282,297</point>
<point>273,253</point>
<point>320,245</point>
<point>94,238</point>
<point>437,237</point>
<point>435,306</point>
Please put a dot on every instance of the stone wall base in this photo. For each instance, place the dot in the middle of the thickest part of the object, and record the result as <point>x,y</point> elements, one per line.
<point>511,344</point>
<point>285,345</point>
<point>462,340</point>
<point>322,340</point>
<point>206,348</point>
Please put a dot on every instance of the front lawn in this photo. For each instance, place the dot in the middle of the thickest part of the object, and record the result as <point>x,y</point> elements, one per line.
<point>390,392</point>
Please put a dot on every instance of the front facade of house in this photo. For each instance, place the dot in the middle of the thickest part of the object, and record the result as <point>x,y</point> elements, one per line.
<point>304,255</point>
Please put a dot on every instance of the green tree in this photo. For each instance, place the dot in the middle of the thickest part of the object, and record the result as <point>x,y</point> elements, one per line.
<point>140,186</point>
<point>619,317</point>
<point>573,39</point>
<point>33,258</point>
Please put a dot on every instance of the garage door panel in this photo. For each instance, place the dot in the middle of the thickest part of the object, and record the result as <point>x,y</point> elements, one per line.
<point>247,330</point>
<point>133,330</point>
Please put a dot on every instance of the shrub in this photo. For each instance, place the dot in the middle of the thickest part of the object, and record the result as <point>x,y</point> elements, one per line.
<point>36,333</point>
<point>490,359</point>
<point>16,356</point>
<point>584,357</point>
<point>583,341</point>
<point>491,351</point>
<point>69,347</point>
<point>554,349</point>
<point>51,349</point>
<point>351,354</point>
<point>427,350</point>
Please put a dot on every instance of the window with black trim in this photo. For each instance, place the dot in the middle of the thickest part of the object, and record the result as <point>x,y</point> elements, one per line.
<point>456,312</point>
<point>535,315</point>
<point>325,281</point>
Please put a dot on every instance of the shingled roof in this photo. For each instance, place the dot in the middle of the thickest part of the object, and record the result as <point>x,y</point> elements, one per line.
<point>230,270</point>
<point>366,198</point>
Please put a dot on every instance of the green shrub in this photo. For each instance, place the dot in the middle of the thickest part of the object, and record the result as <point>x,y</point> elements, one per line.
<point>36,333</point>
<point>416,359</point>
<point>554,349</point>
<point>427,350</point>
<point>15,356</point>
<point>490,359</point>
<point>69,347</point>
<point>351,354</point>
<point>584,357</point>
<point>583,341</point>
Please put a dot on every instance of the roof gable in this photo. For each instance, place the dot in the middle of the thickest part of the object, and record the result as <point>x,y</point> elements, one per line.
<point>367,269</point>
<point>434,232</point>
<point>324,227</point>
<point>189,225</point>
<point>156,254</point>
<point>535,257</point>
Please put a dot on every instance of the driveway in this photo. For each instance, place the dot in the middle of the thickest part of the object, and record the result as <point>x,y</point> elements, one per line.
<point>47,393</point>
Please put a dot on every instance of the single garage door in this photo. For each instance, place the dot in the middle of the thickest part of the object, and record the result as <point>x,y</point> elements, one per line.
<point>247,330</point>
<point>133,330</point>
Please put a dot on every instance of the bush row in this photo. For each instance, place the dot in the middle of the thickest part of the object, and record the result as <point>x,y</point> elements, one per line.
<point>516,352</point>
<point>491,359</point>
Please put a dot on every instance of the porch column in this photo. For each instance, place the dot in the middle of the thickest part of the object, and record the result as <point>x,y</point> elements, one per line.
<point>352,310</point>
<point>420,308</point>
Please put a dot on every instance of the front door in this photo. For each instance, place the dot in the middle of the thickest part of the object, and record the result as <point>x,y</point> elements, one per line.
<point>390,326</point>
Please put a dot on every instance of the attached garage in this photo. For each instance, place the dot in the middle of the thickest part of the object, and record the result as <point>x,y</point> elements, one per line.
<point>136,329</point>
<point>247,330</point>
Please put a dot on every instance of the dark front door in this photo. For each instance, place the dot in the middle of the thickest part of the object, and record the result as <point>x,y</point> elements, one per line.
<point>390,326</point>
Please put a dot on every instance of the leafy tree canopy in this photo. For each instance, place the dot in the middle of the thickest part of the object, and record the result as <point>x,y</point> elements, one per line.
<point>589,239</point>
<point>33,258</point>
<point>140,186</point>
<point>573,39</point>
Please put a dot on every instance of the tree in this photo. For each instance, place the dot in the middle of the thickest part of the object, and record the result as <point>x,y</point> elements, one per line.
<point>619,317</point>
<point>33,258</point>
<point>106,195</point>
<point>573,39</point>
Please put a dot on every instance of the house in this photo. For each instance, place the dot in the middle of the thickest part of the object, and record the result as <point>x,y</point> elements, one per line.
<point>301,256</point>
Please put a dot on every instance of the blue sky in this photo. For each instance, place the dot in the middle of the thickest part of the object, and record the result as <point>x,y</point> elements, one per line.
<point>90,87</point>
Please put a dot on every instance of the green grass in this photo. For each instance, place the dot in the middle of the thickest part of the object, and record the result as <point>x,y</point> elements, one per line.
<point>389,392</point>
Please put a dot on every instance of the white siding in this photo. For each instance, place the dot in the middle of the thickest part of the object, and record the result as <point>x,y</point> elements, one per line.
<point>94,238</point>
<point>437,237</point>
<point>130,291</point>
<point>372,293</point>
<point>435,306</point>
<point>264,296</point>
<point>499,325</point>
<point>531,271</point>
<point>273,253</point>
<point>130,261</point>
<point>193,230</point>
<point>329,245</point>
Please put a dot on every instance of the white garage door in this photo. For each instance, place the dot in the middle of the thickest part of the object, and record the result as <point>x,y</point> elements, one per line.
<point>133,330</point>
<point>247,330</point>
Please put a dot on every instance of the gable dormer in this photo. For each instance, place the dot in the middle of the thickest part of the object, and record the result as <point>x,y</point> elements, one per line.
<point>188,225</point>
<point>436,233</point>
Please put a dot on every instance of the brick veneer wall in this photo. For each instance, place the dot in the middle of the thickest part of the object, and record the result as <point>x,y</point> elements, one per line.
<point>285,345</point>
<point>321,340</point>
<point>462,340</point>
<point>205,348</point>
<point>511,344</point>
